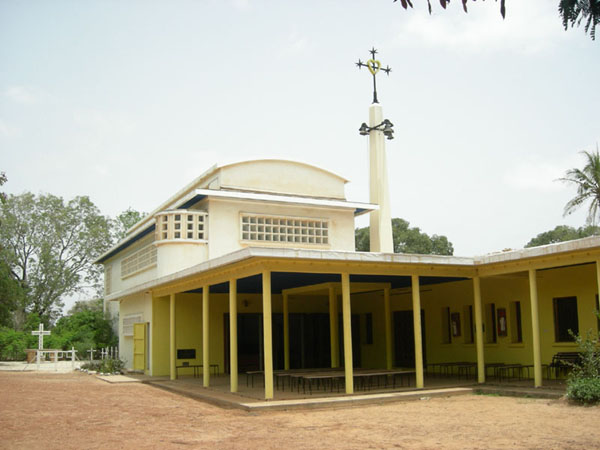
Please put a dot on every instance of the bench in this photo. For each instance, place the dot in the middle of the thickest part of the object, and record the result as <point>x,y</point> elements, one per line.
<point>562,362</point>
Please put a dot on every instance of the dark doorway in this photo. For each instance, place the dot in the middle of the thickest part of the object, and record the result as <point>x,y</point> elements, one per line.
<point>404,338</point>
<point>309,341</point>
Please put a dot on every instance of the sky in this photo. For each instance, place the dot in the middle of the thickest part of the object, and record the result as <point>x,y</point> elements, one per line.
<point>127,102</point>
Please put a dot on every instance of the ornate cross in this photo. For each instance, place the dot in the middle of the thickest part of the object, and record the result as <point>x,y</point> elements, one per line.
<point>374,67</point>
<point>41,333</point>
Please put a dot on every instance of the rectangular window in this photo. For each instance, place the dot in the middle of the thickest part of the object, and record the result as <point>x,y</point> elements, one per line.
<point>565,319</point>
<point>516,329</point>
<point>369,328</point>
<point>490,323</point>
<point>292,230</point>
<point>141,260</point>
<point>128,322</point>
<point>469,325</point>
<point>446,326</point>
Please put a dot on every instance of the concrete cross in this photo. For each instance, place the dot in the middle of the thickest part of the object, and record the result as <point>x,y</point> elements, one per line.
<point>41,333</point>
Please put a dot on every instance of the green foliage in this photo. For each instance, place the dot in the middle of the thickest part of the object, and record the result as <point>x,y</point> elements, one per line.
<point>48,245</point>
<point>407,240</point>
<point>583,384</point>
<point>574,12</point>
<point>124,222</point>
<point>108,365</point>
<point>13,344</point>
<point>444,3</point>
<point>587,181</point>
<point>12,295</point>
<point>84,329</point>
<point>563,233</point>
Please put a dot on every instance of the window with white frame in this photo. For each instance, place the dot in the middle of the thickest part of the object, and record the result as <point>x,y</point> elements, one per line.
<point>292,230</point>
<point>181,224</point>
<point>143,259</point>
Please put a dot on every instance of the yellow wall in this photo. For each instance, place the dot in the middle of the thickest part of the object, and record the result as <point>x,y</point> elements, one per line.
<point>579,281</point>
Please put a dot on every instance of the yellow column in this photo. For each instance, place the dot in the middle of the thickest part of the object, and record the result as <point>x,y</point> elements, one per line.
<point>416,297</point>
<point>268,341</point>
<point>233,352</point>
<point>388,328</point>
<point>346,314</point>
<point>172,347</point>
<point>286,333</point>
<point>535,327</point>
<point>205,336</point>
<point>479,330</point>
<point>333,328</point>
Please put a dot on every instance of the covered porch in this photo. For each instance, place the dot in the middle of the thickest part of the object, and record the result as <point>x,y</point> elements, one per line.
<point>305,309</point>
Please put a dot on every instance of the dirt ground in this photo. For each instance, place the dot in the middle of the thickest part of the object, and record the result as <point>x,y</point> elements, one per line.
<point>64,411</point>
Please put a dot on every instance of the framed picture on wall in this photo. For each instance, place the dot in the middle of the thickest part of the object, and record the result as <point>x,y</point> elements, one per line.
<point>455,323</point>
<point>502,328</point>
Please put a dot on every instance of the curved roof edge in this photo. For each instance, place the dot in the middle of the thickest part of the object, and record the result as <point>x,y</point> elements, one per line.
<point>300,163</point>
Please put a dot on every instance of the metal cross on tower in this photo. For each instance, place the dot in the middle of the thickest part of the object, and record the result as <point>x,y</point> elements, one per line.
<point>41,333</point>
<point>374,67</point>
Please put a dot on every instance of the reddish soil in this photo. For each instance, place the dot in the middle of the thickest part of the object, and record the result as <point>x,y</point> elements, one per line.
<point>64,411</point>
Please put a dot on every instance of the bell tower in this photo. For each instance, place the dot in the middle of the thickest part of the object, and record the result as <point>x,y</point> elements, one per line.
<point>378,130</point>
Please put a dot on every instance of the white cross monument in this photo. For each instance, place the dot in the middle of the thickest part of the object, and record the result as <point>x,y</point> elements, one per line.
<point>40,333</point>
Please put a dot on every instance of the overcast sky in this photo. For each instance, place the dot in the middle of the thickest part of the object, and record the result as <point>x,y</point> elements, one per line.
<point>127,101</point>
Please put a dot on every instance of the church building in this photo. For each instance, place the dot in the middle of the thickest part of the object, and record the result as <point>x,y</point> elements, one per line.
<point>252,267</point>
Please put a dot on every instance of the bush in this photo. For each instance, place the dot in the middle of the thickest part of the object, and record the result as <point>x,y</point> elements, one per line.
<point>583,384</point>
<point>13,344</point>
<point>108,365</point>
<point>584,390</point>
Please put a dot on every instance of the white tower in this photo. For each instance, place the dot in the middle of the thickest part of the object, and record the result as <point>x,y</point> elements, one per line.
<point>381,239</point>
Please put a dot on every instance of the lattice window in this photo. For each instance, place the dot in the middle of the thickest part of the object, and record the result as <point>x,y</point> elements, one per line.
<point>108,279</point>
<point>141,260</point>
<point>292,230</point>
<point>182,224</point>
<point>128,322</point>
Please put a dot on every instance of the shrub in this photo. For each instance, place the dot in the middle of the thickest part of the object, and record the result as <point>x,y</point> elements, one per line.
<point>108,365</point>
<point>583,384</point>
<point>584,390</point>
<point>13,344</point>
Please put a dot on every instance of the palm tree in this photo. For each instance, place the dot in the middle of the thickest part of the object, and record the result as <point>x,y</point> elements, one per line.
<point>588,186</point>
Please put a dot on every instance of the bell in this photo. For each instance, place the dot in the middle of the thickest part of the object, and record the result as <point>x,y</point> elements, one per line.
<point>364,129</point>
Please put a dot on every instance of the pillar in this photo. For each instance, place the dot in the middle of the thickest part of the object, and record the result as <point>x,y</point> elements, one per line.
<point>205,336</point>
<point>347,315</point>
<point>535,327</point>
<point>333,328</point>
<point>267,334</point>
<point>286,332</point>
<point>479,330</point>
<point>388,328</point>
<point>416,298</point>
<point>381,239</point>
<point>172,347</point>
<point>233,351</point>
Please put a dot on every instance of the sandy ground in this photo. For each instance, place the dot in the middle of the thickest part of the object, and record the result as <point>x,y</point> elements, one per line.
<point>64,411</point>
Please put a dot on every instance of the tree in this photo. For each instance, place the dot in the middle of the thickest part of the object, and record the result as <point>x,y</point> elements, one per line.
<point>587,181</point>
<point>572,12</point>
<point>125,221</point>
<point>407,240</point>
<point>48,245</point>
<point>562,233</point>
